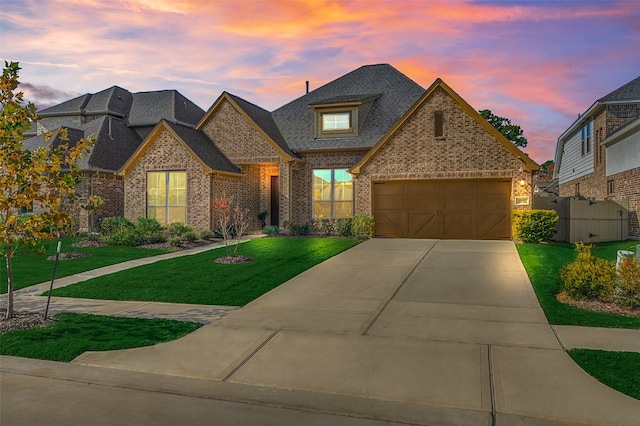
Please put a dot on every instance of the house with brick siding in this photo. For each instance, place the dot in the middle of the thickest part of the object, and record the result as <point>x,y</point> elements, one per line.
<point>119,120</point>
<point>598,156</point>
<point>424,163</point>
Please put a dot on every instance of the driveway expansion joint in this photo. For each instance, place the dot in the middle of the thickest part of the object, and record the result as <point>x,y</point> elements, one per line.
<point>397,290</point>
<point>251,355</point>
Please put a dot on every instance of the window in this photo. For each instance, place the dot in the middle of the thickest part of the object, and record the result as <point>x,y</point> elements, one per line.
<point>332,194</point>
<point>167,196</point>
<point>586,139</point>
<point>27,209</point>
<point>438,124</point>
<point>611,188</point>
<point>336,121</point>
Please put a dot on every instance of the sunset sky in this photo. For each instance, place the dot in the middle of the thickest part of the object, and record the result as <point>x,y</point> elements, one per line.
<point>539,63</point>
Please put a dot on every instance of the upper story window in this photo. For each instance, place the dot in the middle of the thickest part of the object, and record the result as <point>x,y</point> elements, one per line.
<point>586,139</point>
<point>336,121</point>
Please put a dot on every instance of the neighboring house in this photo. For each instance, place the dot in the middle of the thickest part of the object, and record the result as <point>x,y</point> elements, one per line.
<point>598,156</point>
<point>119,121</point>
<point>424,163</point>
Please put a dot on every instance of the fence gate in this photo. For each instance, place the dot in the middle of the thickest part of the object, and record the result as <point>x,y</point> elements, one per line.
<point>587,221</point>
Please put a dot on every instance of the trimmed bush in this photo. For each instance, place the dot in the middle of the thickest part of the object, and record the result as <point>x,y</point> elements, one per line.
<point>270,230</point>
<point>177,229</point>
<point>207,235</point>
<point>589,277</point>
<point>627,291</point>
<point>175,241</point>
<point>362,226</point>
<point>125,237</point>
<point>145,231</point>
<point>534,226</point>
<point>343,227</point>
<point>190,236</point>
<point>113,224</point>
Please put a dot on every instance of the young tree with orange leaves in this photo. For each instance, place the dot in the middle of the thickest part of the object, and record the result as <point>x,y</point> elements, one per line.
<point>45,178</point>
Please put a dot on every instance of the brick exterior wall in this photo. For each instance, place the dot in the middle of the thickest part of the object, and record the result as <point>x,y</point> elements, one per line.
<point>237,138</point>
<point>168,154</point>
<point>467,151</point>
<point>107,186</point>
<point>626,186</point>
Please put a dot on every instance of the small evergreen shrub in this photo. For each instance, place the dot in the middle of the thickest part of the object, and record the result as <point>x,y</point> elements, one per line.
<point>627,291</point>
<point>534,226</point>
<point>362,226</point>
<point>145,231</point>
<point>207,235</point>
<point>270,230</point>
<point>177,229</point>
<point>589,277</point>
<point>175,241</point>
<point>125,237</point>
<point>113,224</point>
<point>343,227</point>
<point>190,236</point>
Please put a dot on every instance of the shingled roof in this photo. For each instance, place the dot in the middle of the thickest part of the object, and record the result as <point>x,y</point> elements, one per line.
<point>148,108</point>
<point>389,93</point>
<point>117,142</point>
<point>630,92</point>
<point>204,148</point>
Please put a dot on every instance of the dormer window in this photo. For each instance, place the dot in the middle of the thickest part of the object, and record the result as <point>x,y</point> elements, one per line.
<point>336,121</point>
<point>340,116</point>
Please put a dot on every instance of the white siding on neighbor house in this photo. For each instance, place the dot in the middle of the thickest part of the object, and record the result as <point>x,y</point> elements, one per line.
<point>574,164</point>
<point>623,155</point>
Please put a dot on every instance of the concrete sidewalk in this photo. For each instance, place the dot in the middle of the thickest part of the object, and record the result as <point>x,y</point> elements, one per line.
<point>414,331</point>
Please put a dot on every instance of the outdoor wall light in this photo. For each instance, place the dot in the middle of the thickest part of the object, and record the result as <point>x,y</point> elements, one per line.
<point>522,182</point>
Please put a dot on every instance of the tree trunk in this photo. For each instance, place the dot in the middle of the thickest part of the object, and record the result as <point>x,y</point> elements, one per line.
<point>9,283</point>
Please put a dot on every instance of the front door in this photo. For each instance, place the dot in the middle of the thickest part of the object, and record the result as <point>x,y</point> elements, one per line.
<point>275,201</point>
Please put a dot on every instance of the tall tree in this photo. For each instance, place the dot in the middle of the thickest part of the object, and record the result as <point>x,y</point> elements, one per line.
<point>510,131</point>
<point>43,179</point>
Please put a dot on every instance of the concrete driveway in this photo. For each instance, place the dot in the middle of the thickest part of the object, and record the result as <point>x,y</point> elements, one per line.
<point>416,331</point>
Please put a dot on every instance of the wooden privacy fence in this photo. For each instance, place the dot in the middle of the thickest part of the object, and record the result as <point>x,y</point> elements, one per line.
<point>587,221</point>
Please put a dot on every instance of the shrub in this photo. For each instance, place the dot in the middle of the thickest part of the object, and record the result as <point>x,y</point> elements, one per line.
<point>343,227</point>
<point>177,229</point>
<point>362,226</point>
<point>207,235</point>
<point>125,237</point>
<point>534,226</point>
<point>270,230</point>
<point>628,284</point>
<point>190,236</point>
<point>175,241</point>
<point>113,224</point>
<point>589,277</point>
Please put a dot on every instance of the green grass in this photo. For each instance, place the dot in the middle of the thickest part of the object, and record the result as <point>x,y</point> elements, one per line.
<point>32,268</point>
<point>196,279</point>
<point>543,263</point>
<point>618,370</point>
<point>73,334</point>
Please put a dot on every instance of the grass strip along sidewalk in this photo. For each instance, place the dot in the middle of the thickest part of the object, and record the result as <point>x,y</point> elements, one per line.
<point>197,279</point>
<point>73,334</point>
<point>32,268</point>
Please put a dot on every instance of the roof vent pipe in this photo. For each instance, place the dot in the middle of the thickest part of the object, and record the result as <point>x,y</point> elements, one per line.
<point>307,84</point>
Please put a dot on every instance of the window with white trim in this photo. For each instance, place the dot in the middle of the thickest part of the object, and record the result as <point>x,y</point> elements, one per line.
<point>167,196</point>
<point>332,193</point>
<point>336,121</point>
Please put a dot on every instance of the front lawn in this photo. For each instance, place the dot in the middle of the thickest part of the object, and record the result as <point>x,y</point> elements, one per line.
<point>543,263</point>
<point>196,279</point>
<point>618,370</point>
<point>74,334</point>
<point>32,268</point>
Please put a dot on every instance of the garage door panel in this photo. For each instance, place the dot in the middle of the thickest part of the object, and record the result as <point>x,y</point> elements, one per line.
<point>471,209</point>
<point>424,225</point>
<point>391,223</point>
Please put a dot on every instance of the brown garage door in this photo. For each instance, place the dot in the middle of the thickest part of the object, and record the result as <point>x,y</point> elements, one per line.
<point>465,209</point>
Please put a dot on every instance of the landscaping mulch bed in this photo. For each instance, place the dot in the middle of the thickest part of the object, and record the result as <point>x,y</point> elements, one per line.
<point>598,306</point>
<point>232,260</point>
<point>183,246</point>
<point>22,320</point>
<point>69,255</point>
<point>89,243</point>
